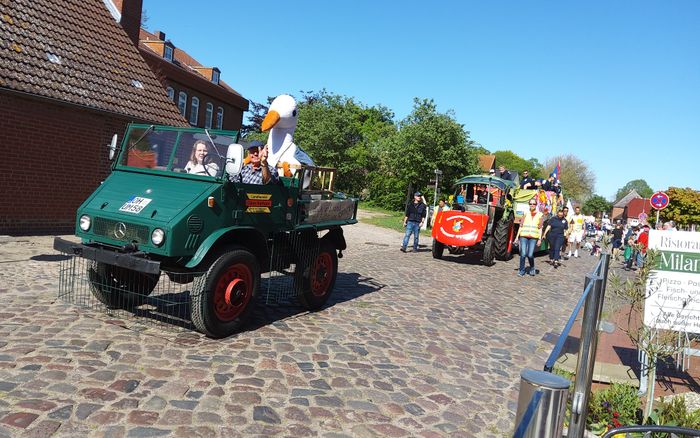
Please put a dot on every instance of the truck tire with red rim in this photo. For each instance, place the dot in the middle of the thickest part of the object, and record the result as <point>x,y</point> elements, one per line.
<point>118,287</point>
<point>222,298</point>
<point>315,282</point>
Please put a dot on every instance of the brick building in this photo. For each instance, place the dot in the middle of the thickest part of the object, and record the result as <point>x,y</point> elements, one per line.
<point>201,96</point>
<point>70,78</point>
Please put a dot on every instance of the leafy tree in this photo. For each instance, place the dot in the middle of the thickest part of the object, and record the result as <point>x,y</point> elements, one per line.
<point>518,164</point>
<point>338,132</point>
<point>596,204</point>
<point>426,140</point>
<point>683,206</point>
<point>257,114</point>
<point>577,180</point>
<point>639,185</point>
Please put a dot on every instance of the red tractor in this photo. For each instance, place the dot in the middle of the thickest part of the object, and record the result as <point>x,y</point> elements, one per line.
<point>481,218</point>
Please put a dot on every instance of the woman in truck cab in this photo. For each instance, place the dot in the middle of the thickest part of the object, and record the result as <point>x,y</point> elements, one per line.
<point>196,164</point>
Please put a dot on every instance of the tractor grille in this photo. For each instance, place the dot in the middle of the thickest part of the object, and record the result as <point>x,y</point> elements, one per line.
<point>122,231</point>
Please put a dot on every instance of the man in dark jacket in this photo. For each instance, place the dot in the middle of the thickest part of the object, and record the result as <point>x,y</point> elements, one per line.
<point>526,182</point>
<point>413,219</point>
<point>503,173</point>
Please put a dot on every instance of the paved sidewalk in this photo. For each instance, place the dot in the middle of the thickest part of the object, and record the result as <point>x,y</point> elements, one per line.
<point>408,346</point>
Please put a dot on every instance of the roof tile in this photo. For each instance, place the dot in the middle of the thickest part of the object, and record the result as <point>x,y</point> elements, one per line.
<point>98,60</point>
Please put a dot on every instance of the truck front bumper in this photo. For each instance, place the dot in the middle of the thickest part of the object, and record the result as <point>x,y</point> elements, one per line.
<point>110,257</point>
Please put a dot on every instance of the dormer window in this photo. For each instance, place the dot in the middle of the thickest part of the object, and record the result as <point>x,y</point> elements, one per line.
<point>215,76</point>
<point>168,53</point>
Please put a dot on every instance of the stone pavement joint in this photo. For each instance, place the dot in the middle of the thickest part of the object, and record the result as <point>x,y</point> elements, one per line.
<point>407,346</point>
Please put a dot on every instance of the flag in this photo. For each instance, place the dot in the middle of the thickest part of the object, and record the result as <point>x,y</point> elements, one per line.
<point>557,170</point>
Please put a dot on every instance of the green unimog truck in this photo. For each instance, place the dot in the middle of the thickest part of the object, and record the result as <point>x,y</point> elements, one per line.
<point>161,223</point>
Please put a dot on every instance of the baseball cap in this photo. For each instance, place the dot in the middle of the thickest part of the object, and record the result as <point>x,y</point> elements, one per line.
<point>255,144</point>
<point>418,194</point>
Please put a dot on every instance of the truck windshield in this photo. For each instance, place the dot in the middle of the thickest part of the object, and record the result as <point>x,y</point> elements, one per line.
<point>197,153</point>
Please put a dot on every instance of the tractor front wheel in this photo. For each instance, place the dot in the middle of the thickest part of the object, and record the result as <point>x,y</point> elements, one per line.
<point>438,249</point>
<point>221,298</point>
<point>489,251</point>
<point>118,287</point>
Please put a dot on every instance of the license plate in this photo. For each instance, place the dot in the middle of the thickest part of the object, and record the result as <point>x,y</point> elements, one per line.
<point>135,204</point>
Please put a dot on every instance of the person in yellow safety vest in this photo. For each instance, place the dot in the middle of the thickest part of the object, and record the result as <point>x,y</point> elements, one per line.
<point>530,235</point>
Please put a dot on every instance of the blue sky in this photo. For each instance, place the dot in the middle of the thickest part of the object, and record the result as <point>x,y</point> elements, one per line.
<point>614,83</point>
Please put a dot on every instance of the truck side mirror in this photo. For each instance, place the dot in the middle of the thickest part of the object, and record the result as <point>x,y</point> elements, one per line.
<point>234,159</point>
<point>112,147</point>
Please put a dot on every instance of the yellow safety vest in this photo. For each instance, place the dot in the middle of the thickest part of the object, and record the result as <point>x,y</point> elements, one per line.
<point>530,226</point>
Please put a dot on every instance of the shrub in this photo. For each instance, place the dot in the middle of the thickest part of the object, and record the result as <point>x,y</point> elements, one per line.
<point>675,413</point>
<point>615,406</point>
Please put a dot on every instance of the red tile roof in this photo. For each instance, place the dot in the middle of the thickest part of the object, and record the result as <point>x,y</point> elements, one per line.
<point>74,51</point>
<point>638,205</point>
<point>182,58</point>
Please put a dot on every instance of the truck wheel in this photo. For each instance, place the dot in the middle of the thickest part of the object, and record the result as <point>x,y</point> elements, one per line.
<point>489,251</point>
<point>438,248</point>
<point>504,238</point>
<point>221,298</point>
<point>314,283</point>
<point>118,287</point>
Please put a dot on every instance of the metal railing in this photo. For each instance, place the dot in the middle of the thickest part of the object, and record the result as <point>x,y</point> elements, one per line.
<point>550,416</point>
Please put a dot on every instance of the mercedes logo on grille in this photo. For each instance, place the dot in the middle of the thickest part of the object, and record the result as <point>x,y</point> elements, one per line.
<point>120,230</point>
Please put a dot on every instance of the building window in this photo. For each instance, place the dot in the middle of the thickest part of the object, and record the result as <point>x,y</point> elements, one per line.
<point>182,102</point>
<point>168,53</point>
<point>219,118</point>
<point>215,76</point>
<point>171,93</point>
<point>194,111</point>
<point>210,115</point>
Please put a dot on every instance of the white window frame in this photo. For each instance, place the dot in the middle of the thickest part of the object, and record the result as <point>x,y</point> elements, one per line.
<point>219,118</point>
<point>168,53</point>
<point>171,93</point>
<point>194,110</point>
<point>209,115</point>
<point>182,102</point>
<point>215,76</point>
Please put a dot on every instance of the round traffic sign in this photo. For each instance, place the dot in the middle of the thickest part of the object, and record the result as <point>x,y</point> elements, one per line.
<point>659,200</point>
<point>643,217</point>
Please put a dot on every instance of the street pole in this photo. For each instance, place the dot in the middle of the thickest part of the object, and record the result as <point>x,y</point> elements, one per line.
<point>437,179</point>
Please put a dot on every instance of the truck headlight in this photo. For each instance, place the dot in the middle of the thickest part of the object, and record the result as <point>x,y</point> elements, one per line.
<point>85,222</point>
<point>158,237</point>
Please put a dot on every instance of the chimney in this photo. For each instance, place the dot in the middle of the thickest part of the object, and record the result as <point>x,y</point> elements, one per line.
<point>131,18</point>
<point>160,35</point>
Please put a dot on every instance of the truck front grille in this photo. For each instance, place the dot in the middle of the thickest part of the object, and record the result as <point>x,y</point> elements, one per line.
<point>122,231</point>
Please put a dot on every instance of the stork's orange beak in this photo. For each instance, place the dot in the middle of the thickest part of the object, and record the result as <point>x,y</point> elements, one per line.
<point>271,119</point>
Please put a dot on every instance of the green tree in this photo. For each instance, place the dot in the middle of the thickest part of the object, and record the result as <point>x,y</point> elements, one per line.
<point>426,140</point>
<point>577,180</point>
<point>683,206</point>
<point>639,185</point>
<point>596,204</point>
<point>518,164</point>
<point>338,132</point>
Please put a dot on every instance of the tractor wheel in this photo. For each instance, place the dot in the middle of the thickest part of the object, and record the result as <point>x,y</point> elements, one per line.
<point>222,298</point>
<point>503,236</point>
<point>438,248</point>
<point>118,287</point>
<point>489,251</point>
<point>314,282</point>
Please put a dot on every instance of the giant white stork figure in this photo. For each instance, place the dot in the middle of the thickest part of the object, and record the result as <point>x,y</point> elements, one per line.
<point>281,120</point>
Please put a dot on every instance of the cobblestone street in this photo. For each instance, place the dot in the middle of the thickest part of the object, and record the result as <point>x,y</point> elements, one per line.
<point>407,346</point>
